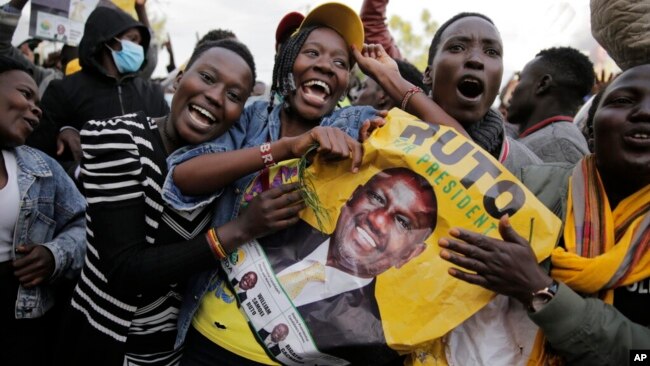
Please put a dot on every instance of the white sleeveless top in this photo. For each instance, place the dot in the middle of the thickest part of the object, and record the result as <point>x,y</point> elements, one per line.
<point>10,198</point>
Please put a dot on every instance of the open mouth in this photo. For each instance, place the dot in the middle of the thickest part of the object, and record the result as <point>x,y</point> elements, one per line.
<point>366,237</point>
<point>317,90</point>
<point>470,87</point>
<point>201,115</point>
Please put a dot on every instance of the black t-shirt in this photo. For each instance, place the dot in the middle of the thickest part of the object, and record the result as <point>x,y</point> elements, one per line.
<point>634,301</point>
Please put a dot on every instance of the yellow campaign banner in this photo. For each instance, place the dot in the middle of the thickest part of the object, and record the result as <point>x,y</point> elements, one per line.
<point>126,5</point>
<point>364,278</point>
<point>420,302</point>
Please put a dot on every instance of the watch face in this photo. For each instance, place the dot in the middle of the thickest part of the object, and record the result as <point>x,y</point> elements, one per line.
<point>543,296</point>
<point>539,301</point>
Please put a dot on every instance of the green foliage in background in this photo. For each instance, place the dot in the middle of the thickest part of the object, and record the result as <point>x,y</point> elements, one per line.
<point>414,43</point>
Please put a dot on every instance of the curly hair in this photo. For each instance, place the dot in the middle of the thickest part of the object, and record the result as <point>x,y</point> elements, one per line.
<point>229,44</point>
<point>217,35</point>
<point>571,70</point>
<point>9,64</point>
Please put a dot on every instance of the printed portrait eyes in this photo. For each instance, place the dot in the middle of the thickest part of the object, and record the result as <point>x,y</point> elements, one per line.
<point>376,198</point>
<point>403,222</point>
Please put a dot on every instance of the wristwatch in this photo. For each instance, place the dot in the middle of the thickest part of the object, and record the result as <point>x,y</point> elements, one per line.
<point>542,297</point>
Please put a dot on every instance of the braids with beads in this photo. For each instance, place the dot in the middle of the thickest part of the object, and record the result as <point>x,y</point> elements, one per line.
<point>283,82</point>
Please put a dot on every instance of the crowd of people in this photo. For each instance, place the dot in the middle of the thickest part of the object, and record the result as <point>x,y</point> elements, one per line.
<point>121,195</point>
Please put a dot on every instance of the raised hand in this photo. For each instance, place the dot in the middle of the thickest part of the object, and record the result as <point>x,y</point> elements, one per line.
<point>374,61</point>
<point>507,266</point>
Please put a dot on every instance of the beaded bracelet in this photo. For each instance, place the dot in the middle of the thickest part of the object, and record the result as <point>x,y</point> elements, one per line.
<point>265,153</point>
<point>215,244</point>
<point>407,96</point>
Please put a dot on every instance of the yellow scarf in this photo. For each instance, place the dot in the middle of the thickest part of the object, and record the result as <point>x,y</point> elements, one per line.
<point>604,249</point>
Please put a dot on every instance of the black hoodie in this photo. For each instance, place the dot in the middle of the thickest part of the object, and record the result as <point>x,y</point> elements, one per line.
<point>92,94</point>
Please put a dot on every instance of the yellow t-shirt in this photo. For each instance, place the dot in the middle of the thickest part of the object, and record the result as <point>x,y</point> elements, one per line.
<point>220,320</point>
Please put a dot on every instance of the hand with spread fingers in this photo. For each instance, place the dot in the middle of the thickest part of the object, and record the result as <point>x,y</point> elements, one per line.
<point>507,266</point>
<point>374,61</point>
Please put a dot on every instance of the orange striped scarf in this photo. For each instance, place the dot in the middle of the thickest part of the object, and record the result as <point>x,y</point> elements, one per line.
<point>604,249</point>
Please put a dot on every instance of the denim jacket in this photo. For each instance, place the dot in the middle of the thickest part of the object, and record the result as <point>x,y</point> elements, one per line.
<point>52,213</point>
<point>255,127</point>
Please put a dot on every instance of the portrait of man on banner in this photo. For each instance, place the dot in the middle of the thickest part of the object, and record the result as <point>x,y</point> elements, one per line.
<point>273,338</point>
<point>331,278</point>
<point>359,278</point>
<point>247,282</point>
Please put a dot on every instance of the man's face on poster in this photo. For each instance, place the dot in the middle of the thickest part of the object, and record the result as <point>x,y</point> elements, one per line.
<point>384,224</point>
<point>248,281</point>
<point>279,332</point>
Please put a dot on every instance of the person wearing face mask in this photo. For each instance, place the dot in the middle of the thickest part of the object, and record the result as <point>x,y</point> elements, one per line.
<point>112,53</point>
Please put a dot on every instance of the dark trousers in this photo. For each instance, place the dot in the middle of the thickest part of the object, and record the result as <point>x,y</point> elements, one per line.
<point>23,341</point>
<point>200,351</point>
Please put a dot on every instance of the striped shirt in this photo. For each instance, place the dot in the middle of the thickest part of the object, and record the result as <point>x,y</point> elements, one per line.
<point>140,251</point>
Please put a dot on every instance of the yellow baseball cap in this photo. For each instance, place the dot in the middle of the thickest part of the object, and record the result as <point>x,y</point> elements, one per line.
<point>339,17</point>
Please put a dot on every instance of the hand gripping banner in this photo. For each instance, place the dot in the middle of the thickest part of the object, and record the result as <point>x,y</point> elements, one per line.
<point>362,279</point>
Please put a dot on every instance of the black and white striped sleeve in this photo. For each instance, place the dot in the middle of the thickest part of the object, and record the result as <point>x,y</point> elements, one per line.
<point>113,178</point>
<point>110,166</point>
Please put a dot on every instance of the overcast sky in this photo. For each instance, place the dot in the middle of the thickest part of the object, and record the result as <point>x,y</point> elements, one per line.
<point>526,26</point>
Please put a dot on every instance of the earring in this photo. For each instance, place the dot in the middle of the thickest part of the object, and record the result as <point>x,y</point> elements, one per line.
<point>288,84</point>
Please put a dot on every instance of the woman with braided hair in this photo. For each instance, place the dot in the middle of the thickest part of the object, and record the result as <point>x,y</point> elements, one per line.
<point>310,76</point>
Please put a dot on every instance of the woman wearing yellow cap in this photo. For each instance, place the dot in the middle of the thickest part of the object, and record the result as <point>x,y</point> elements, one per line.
<point>310,76</point>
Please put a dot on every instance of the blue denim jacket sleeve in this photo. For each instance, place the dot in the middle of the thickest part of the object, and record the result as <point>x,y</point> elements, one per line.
<point>349,119</point>
<point>262,127</point>
<point>231,140</point>
<point>51,214</point>
<point>171,193</point>
<point>53,211</point>
<point>250,129</point>
<point>69,243</point>
<point>250,124</point>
